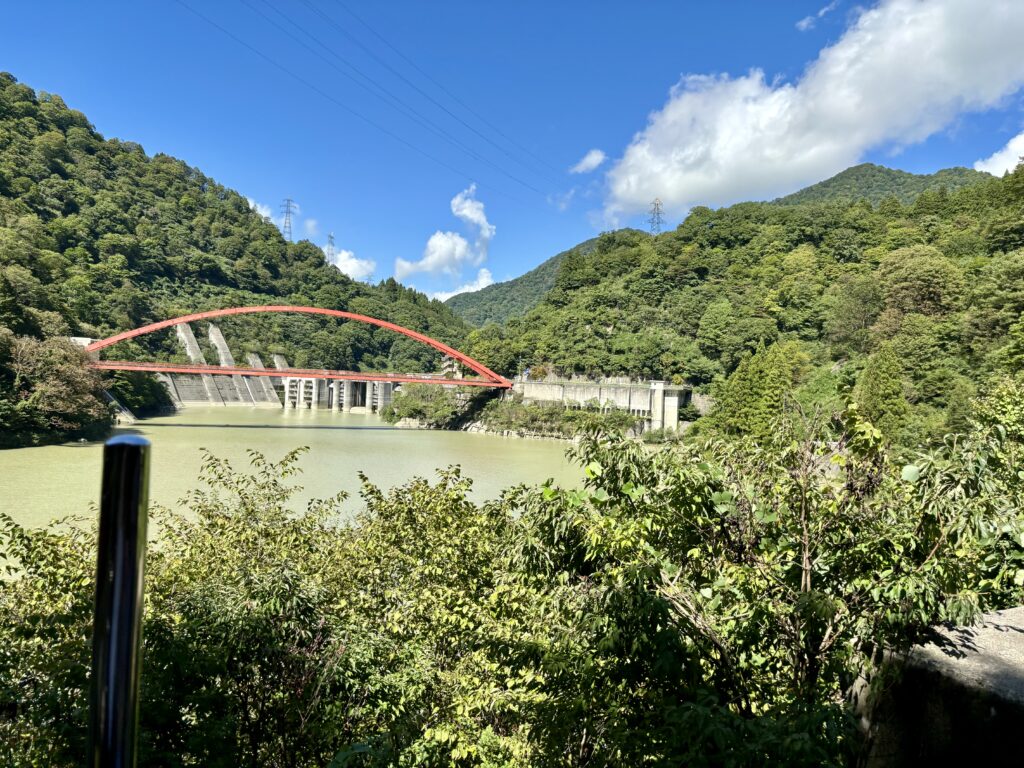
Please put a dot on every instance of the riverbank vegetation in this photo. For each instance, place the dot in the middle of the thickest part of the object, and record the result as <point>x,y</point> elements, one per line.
<point>46,392</point>
<point>97,237</point>
<point>709,604</point>
<point>468,407</point>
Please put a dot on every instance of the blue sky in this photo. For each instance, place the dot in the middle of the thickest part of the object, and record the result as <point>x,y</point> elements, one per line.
<point>696,103</point>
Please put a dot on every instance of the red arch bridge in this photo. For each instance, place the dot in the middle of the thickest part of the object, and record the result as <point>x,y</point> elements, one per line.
<point>484,377</point>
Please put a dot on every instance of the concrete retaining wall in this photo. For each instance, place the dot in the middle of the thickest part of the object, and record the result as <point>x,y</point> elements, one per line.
<point>959,700</point>
<point>653,400</point>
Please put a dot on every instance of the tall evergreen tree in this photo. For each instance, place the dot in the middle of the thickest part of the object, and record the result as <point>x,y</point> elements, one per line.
<point>753,397</point>
<point>879,392</point>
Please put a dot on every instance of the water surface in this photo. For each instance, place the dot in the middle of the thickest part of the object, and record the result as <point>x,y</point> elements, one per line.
<point>38,485</point>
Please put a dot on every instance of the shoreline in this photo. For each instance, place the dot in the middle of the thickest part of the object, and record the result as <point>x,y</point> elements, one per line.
<point>477,427</point>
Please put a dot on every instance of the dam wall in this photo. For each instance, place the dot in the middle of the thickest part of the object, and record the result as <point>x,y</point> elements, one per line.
<point>656,402</point>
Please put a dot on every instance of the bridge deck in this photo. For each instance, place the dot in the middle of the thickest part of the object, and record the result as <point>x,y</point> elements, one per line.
<point>296,373</point>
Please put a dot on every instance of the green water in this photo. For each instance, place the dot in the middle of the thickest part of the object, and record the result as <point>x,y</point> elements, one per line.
<point>38,485</point>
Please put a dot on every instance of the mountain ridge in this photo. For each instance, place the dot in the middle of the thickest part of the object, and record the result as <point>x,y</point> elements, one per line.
<point>500,302</point>
<point>868,181</point>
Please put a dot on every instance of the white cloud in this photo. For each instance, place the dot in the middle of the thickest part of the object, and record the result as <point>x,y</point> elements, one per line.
<point>446,252</point>
<point>1005,159</point>
<point>808,22</point>
<point>449,252</point>
<point>357,269</point>
<point>471,211</point>
<point>903,70</point>
<point>483,279</point>
<point>260,208</point>
<point>562,200</point>
<point>311,226</point>
<point>589,162</point>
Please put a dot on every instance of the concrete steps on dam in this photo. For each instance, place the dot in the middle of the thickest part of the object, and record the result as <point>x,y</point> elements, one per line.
<point>267,391</point>
<point>217,390</point>
<point>195,355</point>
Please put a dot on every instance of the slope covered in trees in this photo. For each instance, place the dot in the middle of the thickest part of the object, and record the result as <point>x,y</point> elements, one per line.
<point>500,302</point>
<point>868,181</point>
<point>934,288</point>
<point>98,237</point>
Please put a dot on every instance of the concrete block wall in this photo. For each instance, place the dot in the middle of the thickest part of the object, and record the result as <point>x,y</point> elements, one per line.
<point>655,401</point>
<point>190,388</point>
<point>640,400</point>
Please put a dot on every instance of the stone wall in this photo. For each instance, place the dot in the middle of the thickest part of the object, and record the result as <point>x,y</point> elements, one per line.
<point>957,700</point>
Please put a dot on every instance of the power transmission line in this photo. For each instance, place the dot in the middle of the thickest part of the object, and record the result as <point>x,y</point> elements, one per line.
<point>330,248</point>
<point>384,94</point>
<point>450,95</point>
<point>328,97</point>
<point>656,216</point>
<point>287,207</point>
<point>415,87</point>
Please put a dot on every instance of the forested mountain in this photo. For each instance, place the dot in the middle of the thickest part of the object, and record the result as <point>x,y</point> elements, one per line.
<point>97,237</point>
<point>513,298</point>
<point>875,183</point>
<point>909,308</point>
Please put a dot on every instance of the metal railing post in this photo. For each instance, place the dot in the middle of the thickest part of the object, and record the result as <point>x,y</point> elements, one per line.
<point>117,621</point>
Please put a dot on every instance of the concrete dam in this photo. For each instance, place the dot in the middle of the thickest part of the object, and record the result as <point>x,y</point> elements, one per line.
<point>268,391</point>
<point>657,403</point>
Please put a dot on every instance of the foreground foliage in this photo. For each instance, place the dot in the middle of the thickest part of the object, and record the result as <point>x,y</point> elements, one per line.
<point>711,605</point>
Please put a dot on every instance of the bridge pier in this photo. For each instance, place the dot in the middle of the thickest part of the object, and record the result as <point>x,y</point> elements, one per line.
<point>385,391</point>
<point>349,389</point>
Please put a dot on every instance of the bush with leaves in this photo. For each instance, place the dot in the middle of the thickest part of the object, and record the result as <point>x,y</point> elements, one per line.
<point>709,604</point>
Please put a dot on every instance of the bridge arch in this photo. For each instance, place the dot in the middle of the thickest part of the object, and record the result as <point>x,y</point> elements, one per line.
<point>466,360</point>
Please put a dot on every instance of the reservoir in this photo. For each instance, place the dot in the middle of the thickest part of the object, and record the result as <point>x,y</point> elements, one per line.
<point>38,485</point>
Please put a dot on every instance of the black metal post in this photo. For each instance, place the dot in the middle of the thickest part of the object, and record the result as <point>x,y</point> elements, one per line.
<point>117,622</point>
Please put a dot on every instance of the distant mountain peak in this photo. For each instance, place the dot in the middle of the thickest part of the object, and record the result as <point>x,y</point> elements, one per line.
<point>500,302</point>
<point>868,181</point>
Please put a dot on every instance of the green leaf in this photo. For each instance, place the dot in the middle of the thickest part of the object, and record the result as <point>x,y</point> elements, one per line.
<point>911,473</point>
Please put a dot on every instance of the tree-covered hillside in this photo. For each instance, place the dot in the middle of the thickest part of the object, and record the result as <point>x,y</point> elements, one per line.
<point>97,237</point>
<point>868,181</point>
<point>908,308</point>
<point>500,302</point>
<point>514,298</point>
